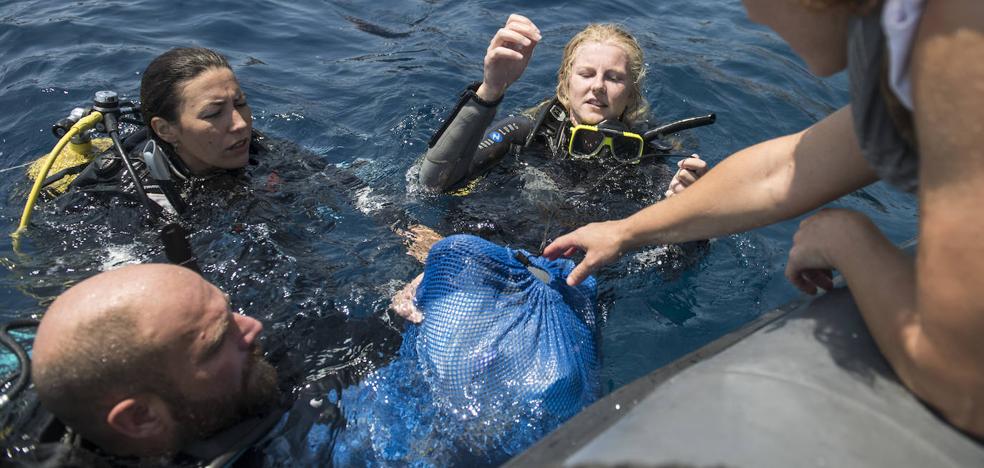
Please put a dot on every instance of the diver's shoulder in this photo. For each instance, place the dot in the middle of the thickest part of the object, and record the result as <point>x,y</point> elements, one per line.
<point>258,142</point>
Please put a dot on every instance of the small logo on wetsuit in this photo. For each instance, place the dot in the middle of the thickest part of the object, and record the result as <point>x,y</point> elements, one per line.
<point>497,136</point>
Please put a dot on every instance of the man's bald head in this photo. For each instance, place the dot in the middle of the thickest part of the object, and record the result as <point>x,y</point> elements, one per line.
<point>131,290</point>
<point>97,342</point>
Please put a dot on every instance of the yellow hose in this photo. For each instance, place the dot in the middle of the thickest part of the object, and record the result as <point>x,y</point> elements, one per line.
<point>83,124</point>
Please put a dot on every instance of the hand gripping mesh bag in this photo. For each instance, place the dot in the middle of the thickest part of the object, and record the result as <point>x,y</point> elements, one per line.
<point>500,359</point>
<point>495,335</point>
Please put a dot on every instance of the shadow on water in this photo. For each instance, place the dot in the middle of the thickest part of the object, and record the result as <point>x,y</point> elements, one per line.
<point>374,29</point>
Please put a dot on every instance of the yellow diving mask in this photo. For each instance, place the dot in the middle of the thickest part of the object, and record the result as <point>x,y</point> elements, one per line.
<point>587,141</point>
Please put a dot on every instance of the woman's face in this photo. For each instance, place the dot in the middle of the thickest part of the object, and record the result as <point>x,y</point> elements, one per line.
<point>819,37</point>
<point>214,123</point>
<point>598,84</point>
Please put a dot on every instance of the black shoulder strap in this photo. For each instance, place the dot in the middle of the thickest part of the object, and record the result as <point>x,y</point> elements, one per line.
<point>549,119</point>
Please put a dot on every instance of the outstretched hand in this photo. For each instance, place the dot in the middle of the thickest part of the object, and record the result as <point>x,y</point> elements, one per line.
<point>690,169</point>
<point>602,243</point>
<point>507,56</point>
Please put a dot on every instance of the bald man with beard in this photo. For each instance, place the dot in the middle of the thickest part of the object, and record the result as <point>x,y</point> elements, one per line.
<point>148,359</point>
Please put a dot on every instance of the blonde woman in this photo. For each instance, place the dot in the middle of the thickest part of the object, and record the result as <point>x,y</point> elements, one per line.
<point>598,111</point>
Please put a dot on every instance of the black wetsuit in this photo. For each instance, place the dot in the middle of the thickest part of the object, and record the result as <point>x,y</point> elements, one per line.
<point>283,236</point>
<point>529,199</point>
<point>106,177</point>
<point>458,151</point>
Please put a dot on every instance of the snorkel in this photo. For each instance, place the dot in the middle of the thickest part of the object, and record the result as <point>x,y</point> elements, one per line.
<point>602,134</point>
<point>679,126</point>
<point>586,141</point>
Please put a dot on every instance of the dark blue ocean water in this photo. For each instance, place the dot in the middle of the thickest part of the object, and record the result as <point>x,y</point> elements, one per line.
<point>362,85</point>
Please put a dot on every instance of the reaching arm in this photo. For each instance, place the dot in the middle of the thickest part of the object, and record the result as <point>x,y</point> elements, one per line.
<point>759,185</point>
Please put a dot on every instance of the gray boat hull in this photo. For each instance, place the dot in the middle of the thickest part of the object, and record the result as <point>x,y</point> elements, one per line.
<point>803,385</point>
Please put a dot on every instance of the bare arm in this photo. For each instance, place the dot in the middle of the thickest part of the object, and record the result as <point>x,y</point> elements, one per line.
<point>927,316</point>
<point>762,184</point>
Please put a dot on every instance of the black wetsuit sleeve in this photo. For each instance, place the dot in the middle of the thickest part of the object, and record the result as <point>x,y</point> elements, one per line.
<point>458,151</point>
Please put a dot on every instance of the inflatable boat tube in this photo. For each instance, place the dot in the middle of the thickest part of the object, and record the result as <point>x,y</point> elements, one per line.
<point>803,385</point>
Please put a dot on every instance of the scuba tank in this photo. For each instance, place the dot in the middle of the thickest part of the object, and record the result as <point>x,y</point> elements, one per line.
<point>78,144</point>
<point>84,151</point>
<point>73,158</point>
<point>84,145</point>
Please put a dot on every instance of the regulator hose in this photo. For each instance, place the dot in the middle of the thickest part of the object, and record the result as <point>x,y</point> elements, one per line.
<point>23,362</point>
<point>83,124</point>
<point>112,127</point>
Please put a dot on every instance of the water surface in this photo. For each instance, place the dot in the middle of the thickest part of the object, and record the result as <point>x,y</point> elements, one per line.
<point>361,86</point>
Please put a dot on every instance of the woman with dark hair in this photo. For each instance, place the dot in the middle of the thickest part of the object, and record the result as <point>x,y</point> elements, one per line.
<point>193,104</point>
<point>200,124</point>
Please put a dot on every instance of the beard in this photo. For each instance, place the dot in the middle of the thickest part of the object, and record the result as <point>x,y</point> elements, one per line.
<point>199,419</point>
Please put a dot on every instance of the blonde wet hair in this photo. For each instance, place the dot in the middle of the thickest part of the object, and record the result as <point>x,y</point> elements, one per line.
<point>637,109</point>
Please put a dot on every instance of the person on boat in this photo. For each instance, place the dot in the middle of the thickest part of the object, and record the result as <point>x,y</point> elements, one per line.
<point>590,157</point>
<point>143,375</point>
<point>913,121</point>
<point>196,115</point>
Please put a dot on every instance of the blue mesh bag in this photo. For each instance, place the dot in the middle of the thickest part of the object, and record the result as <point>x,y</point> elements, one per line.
<point>495,335</point>
<point>500,359</point>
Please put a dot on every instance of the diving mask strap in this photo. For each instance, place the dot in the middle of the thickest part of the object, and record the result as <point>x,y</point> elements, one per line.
<point>549,120</point>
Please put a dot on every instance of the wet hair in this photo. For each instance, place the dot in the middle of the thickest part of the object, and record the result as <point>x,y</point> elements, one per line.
<point>105,361</point>
<point>637,109</point>
<point>160,87</point>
